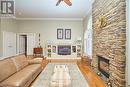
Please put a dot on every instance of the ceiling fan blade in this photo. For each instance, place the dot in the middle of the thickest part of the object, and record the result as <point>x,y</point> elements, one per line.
<point>58,2</point>
<point>68,2</point>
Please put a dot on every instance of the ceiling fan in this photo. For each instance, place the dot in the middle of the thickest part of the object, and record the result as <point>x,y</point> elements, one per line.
<point>66,1</point>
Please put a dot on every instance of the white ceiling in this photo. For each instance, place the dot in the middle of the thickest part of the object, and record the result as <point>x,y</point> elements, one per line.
<point>48,9</point>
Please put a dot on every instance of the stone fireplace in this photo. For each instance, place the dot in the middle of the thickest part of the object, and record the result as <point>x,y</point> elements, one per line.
<point>110,41</point>
<point>103,66</point>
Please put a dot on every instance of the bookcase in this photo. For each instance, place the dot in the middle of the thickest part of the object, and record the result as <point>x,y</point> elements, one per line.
<point>52,49</point>
<point>49,50</point>
<point>79,50</point>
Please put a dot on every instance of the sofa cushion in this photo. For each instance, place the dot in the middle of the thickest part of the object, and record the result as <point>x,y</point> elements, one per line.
<point>20,62</point>
<point>7,68</point>
<point>34,68</point>
<point>35,61</point>
<point>20,78</point>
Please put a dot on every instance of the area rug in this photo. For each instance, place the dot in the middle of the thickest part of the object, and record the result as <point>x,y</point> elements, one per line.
<point>44,79</point>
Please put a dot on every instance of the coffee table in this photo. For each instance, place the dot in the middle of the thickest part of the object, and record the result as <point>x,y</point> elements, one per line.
<point>68,76</point>
<point>59,68</point>
<point>61,77</point>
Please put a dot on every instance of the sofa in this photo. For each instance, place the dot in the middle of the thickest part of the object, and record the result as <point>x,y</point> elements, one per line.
<point>18,71</point>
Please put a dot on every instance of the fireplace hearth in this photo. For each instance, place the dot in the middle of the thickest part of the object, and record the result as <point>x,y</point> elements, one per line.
<point>103,66</point>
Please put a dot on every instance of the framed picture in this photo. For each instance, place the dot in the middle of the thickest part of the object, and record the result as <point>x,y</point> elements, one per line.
<point>74,49</point>
<point>67,33</point>
<point>59,33</point>
<point>54,49</point>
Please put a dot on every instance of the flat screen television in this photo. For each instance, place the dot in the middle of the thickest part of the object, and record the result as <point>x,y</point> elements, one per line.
<point>64,50</point>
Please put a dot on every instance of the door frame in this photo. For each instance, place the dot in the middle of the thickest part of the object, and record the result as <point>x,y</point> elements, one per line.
<point>33,43</point>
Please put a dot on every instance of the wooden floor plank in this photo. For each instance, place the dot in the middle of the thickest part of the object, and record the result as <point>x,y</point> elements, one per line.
<point>91,77</point>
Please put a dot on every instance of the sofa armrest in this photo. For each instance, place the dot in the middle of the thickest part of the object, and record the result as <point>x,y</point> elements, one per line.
<point>35,61</point>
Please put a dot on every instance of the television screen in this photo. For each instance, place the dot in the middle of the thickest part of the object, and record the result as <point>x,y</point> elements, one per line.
<point>64,50</point>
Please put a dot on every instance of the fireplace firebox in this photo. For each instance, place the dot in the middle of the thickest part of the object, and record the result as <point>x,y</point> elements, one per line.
<point>103,66</point>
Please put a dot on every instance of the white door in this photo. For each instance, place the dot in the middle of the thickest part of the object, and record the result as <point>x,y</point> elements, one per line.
<point>30,43</point>
<point>22,44</point>
<point>9,44</point>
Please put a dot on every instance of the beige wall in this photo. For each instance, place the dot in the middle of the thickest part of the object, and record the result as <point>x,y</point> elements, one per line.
<point>48,29</point>
<point>9,25</point>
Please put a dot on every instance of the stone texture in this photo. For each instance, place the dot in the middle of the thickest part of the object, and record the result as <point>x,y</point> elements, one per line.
<point>110,40</point>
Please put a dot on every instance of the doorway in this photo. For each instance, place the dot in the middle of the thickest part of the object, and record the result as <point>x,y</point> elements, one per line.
<point>23,44</point>
<point>26,43</point>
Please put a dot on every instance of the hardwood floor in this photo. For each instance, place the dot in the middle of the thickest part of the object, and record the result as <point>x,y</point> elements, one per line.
<point>90,76</point>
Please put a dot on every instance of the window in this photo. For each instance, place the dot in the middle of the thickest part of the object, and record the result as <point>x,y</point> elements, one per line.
<point>88,38</point>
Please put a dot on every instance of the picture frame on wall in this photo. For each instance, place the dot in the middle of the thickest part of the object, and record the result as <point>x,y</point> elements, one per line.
<point>54,49</point>
<point>68,34</point>
<point>74,49</point>
<point>59,33</point>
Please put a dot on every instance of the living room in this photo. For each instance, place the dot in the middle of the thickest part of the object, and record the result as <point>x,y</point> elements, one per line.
<point>92,33</point>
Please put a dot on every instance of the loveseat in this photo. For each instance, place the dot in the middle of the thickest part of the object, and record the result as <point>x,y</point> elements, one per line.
<point>18,72</point>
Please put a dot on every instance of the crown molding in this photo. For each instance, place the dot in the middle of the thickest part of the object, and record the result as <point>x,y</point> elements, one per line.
<point>55,19</point>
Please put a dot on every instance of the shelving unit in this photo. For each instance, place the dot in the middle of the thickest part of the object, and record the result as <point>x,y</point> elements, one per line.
<point>49,50</point>
<point>52,50</point>
<point>79,50</point>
